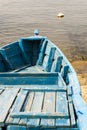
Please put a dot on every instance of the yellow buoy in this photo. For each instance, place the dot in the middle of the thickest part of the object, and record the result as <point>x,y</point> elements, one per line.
<point>60,15</point>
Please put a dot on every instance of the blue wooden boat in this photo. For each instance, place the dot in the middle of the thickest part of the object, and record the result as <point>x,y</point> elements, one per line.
<point>39,89</point>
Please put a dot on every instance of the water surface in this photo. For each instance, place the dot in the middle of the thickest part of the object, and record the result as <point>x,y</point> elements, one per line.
<point>18,18</point>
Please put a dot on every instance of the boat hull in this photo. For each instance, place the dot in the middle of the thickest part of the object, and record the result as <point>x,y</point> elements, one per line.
<point>39,88</point>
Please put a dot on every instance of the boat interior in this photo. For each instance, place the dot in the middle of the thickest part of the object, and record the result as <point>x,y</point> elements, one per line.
<point>31,56</point>
<point>28,53</point>
<point>34,92</point>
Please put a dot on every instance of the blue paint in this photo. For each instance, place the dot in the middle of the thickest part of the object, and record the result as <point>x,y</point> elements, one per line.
<point>28,79</point>
<point>23,52</point>
<point>50,59</point>
<point>58,64</point>
<point>15,127</point>
<point>6,61</point>
<point>42,115</point>
<point>80,112</point>
<point>65,74</point>
<point>42,52</point>
<point>56,70</point>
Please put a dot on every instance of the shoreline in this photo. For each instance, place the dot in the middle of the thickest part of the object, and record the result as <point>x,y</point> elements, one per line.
<point>80,67</point>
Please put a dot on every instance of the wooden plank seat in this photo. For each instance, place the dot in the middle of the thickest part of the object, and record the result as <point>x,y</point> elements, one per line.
<point>29,78</point>
<point>42,115</point>
<point>15,127</point>
<point>36,88</point>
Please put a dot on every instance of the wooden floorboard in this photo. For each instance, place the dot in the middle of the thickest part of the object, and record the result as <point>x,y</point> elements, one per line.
<point>27,107</point>
<point>71,111</point>
<point>61,128</point>
<point>44,88</point>
<point>18,104</point>
<point>36,88</point>
<point>36,115</point>
<point>48,106</point>
<point>36,107</point>
<point>23,100</point>
<point>15,127</point>
<point>71,107</point>
<point>20,69</point>
<point>30,69</point>
<point>6,100</point>
<point>29,101</point>
<point>62,107</point>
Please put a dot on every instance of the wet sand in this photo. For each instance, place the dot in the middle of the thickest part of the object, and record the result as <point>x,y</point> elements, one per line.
<point>81,69</point>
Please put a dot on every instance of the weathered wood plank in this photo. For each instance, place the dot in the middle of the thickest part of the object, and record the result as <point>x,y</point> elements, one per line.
<point>63,128</point>
<point>46,55</point>
<point>48,106</point>
<point>42,52</point>
<point>61,81</point>
<point>36,69</point>
<point>42,115</point>
<point>48,47</point>
<point>46,89</point>
<point>18,104</point>
<point>58,64</point>
<point>36,107</point>
<point>35,52</point>
<point>46,74</point>
<point>27,107</point>
<point>62,107</point>
<point>71,112</point>
<point>30,69</point>
<point>23,52</point>
<point>29,78</point>
<point>37,88</point>
<point>6,100</point>
<point>71,107</point>
<point>15,127</point>
<point>45,61</point>
<point>65,73</point>
<point>6,61</point>
<point>39,69</point>
<point>69,90</point>
<point>29,101</point>
<point>20,69</point>
<point>50,59</point>
<point>36,128</point>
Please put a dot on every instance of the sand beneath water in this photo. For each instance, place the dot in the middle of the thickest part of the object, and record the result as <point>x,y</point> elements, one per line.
<point>81,69</point>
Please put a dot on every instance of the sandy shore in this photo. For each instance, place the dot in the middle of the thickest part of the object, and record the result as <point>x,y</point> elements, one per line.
<point>81,69</point>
